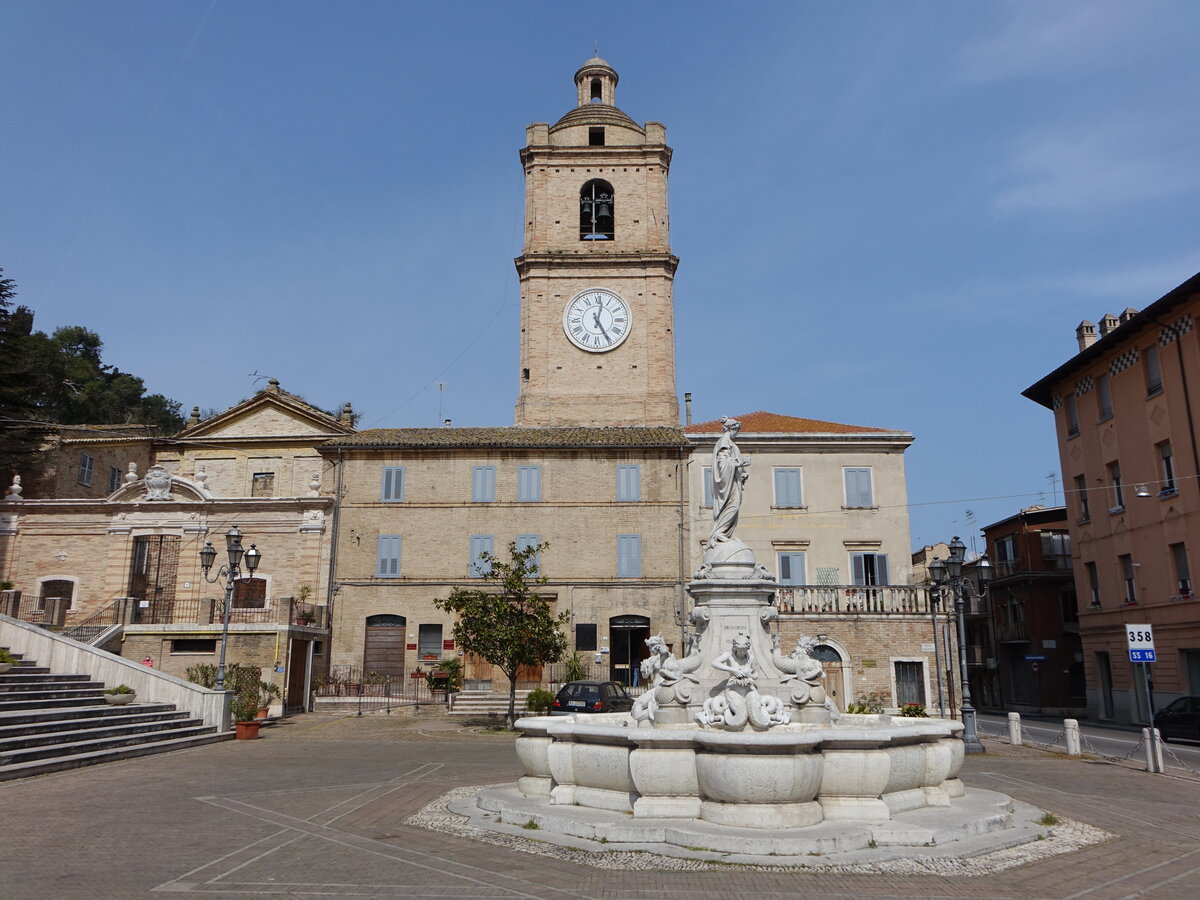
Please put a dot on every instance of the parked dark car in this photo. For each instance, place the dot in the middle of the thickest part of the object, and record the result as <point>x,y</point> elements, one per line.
<point>591,697</point>
<point>1179,719</point>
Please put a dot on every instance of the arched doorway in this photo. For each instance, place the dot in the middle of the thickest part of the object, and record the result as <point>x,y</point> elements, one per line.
<point>837,674</point>
<point>383,644</point>
<point>628,635</point>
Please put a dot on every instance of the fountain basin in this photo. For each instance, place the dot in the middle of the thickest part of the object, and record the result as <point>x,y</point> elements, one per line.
<point>865,768</point>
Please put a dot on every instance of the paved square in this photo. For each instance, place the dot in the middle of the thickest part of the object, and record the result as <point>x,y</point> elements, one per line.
<point>316,808</point>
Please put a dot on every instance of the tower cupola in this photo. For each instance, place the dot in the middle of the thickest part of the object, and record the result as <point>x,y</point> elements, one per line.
<point>597,83</point>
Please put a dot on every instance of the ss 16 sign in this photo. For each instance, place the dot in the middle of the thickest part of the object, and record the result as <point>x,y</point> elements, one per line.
<point>1141,643</point>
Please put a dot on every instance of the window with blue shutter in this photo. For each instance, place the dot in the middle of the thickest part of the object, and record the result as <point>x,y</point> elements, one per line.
<point>524,542</point>
<point>387,564</point>
<point>629,556</point>
<point>392,489</point>
<point>629,483</point>
<point>787,488</point>
<point>708,497</point>
<point>480,544</point>
<point>858,488</point>
<point>869,568</point>
<point>87,465</point>
<point>792,568</point>
<point>529,484</point>
<point>483,484</point>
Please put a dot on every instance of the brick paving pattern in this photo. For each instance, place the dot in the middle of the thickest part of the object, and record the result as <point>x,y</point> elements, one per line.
<point>316,808</point>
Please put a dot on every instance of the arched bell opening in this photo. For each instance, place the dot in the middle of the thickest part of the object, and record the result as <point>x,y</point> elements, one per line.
<point>597,215</point>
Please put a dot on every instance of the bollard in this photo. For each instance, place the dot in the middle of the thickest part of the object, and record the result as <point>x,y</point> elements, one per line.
<point>1014,729</point>
<point>1153,744</point>
<point>1071,732</point>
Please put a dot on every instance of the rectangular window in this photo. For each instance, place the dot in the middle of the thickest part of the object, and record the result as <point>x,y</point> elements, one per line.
<point>596,136</point>
<point>1056,549</point>
<point>194,645</point>
<point>1125,561</point>
<point>391,489</point>
<point>87,465</point>
<point>1072,408</point>
<point>858,488</point>
<point>262,484</point>
<point>910,682</point>
<point>480,544</point>
<point>1085,509</point>
<point>529,484</point>
<point>1104,397</point>
<point>1168,469</point>
<point>787,488</point>
<point>585,636</point>
<point>429,642</point>
<point>1093,584</point>
<point>869,568</point>
<point>792,568</point>
<point>1183,574</point>
<point>1118,490</point>
<point>114,478</point>
<point>1153,370</point>
<point>524,542</point>
<point>629,483</point>
<point>388,559</point>
<point>483,484</point>
<point>629,556</point>
<point>708,490</point>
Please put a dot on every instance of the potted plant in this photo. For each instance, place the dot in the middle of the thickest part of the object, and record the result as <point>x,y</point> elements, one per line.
<point>121,695</point>
<point>268,691</point>
<point>306,617</point>
<point>7,660</point>
<point>244,707</point>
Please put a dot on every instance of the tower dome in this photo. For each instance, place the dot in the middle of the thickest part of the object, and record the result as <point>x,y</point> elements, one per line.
<point>597,83</point>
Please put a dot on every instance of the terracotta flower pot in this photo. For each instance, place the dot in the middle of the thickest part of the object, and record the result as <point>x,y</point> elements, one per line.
<point>247,731</point>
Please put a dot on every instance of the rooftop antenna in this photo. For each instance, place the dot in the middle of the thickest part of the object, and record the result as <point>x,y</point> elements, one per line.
<point>441,392</point>
<point>597,45</point>
<point>970,517</point>
<point>1053,479</point>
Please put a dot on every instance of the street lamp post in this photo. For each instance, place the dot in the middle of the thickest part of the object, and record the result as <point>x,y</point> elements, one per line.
<point>949,574</point>
<point>230,573</point>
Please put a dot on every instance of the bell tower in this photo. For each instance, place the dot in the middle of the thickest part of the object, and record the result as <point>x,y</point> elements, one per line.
<point>596,269</point>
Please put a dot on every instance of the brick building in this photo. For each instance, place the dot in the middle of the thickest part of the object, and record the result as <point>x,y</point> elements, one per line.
<point>1125,412</point>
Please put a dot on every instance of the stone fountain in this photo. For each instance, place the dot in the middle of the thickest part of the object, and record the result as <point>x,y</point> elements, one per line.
<point>735,747</point>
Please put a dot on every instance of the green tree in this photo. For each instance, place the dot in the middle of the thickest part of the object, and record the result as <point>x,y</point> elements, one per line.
<point>18,383</point>
<point>506,622</point>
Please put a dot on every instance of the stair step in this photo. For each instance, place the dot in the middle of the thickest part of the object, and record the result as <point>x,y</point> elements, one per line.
<point>35,692</point>
<point>73,713</point>
<point>21,676</point>
<point>52,683</point>
<point>42,767</point>
<point>110,731</point>
<point>129,715</point>
<point>75,748</point>
<point>96,699</point>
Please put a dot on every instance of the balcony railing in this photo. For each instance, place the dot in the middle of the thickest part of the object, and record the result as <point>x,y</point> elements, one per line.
<point>207,611</point>
<point>852,599</point>
<point>1006,568</point>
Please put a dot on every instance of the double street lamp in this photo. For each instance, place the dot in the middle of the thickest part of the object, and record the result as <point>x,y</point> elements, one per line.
<point>230,573</point>
<point>950,574</point>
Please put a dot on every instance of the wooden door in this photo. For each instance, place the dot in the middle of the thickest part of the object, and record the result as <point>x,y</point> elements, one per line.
<point>383,645</point>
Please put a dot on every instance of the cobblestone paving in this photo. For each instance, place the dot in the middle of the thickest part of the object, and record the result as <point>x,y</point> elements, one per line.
<point>317,808</point>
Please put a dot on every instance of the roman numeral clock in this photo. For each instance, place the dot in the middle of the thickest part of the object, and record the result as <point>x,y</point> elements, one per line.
<point>596,320</point>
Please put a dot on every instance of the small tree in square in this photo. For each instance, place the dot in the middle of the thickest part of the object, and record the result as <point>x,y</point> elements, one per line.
<point>506,622</point>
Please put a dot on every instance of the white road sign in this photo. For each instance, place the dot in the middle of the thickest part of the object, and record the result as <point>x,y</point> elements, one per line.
<point>1141,643</point>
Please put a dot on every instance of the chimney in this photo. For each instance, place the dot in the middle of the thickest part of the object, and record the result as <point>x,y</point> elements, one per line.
<point>1129,313</point>
<point>273,386</point>
<point>1085,334</point>
<point>445,423</point>
<point>687,405</point>
<point>194,418</point>
<point>1108,324</point>
<point>347,416</point>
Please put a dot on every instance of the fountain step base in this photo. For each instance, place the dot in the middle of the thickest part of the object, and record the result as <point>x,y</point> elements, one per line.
<point>980,823</point>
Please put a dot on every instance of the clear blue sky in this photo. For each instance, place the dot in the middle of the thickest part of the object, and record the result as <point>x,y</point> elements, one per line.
<point>893,213</point>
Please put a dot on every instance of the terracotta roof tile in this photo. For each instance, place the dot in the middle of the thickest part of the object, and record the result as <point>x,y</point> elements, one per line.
<point>774,423</point>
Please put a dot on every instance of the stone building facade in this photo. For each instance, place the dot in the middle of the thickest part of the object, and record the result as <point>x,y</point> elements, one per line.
<point>1125,414</point>
<point>124,569</point>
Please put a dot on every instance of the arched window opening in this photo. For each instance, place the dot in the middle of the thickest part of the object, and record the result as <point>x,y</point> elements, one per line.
<point>596,211</point>
<point>597,96</point>
<point>56,589</point>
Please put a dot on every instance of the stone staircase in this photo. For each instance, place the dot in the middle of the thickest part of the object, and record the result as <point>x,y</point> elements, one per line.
<point>485,704</point>
<point>50,722</point>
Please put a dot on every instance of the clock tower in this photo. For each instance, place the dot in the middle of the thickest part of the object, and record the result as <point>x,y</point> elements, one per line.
<point>596,270</point>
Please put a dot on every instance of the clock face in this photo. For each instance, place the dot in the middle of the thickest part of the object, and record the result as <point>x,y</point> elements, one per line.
<point>596,320</point>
